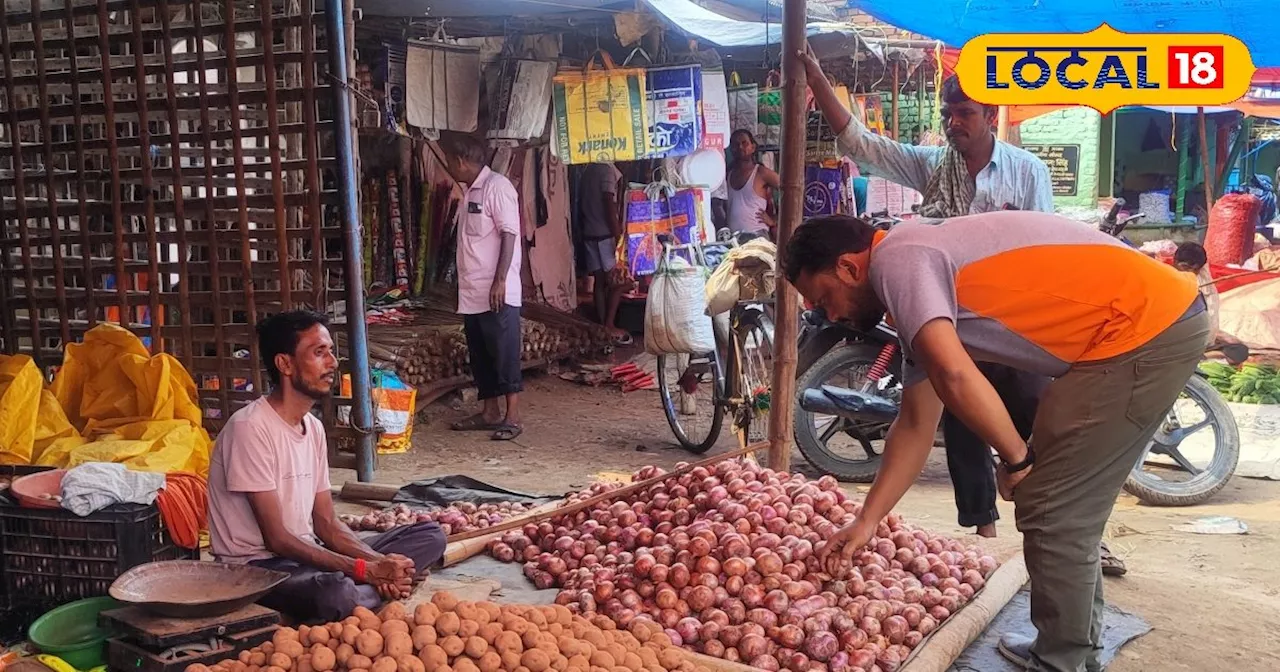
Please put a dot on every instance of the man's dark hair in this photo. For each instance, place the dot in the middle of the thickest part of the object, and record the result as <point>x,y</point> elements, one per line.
<point>466,146</point>
<point>278,335</point>
<point>742,131</point>
<point>952,94</point>
<point>1191,254</point>
<point>816,244</point>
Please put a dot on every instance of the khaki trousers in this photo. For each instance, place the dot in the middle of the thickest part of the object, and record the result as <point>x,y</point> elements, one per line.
<point>1090,430</point>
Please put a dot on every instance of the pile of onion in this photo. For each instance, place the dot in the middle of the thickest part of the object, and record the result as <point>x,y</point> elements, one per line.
<point>724,561</point>
<point>455,518</point>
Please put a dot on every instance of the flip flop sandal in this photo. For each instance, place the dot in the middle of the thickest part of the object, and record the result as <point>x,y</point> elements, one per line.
<point>622,339</point>
<point>1111,565</point>
<point>506,432</point>
<point>474,423</point>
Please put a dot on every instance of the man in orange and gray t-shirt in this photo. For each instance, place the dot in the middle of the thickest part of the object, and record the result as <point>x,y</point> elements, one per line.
<point>1119,332</point>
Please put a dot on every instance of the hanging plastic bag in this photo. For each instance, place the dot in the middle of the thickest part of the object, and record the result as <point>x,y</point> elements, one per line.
<point>394,404</point>
<point>661,209</point>
<point>674,95</point>
<point>770,119</point>
<point>744,106</point>
<point>442,86</point>
<point>675,320</point>
<point>715,110</point>
<point>601,114</point>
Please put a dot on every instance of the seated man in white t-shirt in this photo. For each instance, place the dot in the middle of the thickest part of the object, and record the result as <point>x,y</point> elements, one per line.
<point>269,499</point>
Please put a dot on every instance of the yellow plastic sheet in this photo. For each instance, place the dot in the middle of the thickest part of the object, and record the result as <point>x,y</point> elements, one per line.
<point>110,402</point>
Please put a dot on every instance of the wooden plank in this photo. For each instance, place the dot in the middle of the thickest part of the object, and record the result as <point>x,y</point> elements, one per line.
<point>130,109</point>
<point>354,491</point>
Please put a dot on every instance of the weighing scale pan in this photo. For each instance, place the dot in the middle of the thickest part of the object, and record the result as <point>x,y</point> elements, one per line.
<point>194,589</point>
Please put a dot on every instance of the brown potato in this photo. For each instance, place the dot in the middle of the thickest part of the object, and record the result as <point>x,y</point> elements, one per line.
<point>602,658</point>
<point>243,657</point>
<point>395,625</point>
<point>268,648</point>
<point>632,661</point>
<point>508,642</point>
<point>490,662</point>
<point>559,663</point>
<point>351,620</point>
<point>423,635</point>
<point>494,611</point>
<point>257,658</point>
<point>617,651</point>
<point>425,614</point>
<point>197,667</point>
<point>357,660</point>
<point>444,600</point>
<point>323,659</point>
<point>397,644</point>
<point>291,648</point>
<point>368,619</point>
<point>274,669</point>
<point>510,660</point>
<point>490,631</point>
<point>433,656</point>
<point>555,629</point>
<point>448,623</point>
<point>476,646</point>
<point>349,634</point>
<point>281,661</point>
<point>536,660</point>
<point>670,658</point>
<point>452,645</point>
<point>464,665</point>
<point>384,664</point>
<point>303,664</point>
<point>344,653</point>
<point>319,635</point>
<point>394,611</point>
<point>335,630</point>
<point>369,643</point>
<point>443,668</point>
<point>530,638</point>
<point>284,634</point>
<point>536,617</point>
<point>580,661</point>
<point>468,628</point>
<point>409,663</point>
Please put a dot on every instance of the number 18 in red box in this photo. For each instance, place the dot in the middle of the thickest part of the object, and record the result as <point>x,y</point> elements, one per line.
<point>1195,67</point>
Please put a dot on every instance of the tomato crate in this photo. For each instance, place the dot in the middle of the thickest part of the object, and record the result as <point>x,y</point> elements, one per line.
<point>53,556</point>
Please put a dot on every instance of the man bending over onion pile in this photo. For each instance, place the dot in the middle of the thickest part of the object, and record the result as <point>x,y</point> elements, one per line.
<point>1119,332</point>
<point>269,499</point>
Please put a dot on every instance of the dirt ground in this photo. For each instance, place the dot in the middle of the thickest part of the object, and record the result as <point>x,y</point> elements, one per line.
<point>1192,588</point>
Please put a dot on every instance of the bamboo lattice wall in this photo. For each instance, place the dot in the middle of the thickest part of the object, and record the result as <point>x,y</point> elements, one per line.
<point>189,227</point>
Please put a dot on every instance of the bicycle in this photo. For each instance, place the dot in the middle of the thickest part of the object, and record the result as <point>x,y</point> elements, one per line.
<point>698,391</point>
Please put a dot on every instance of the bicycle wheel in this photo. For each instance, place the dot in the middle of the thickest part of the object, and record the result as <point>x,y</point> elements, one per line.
<point>749,368</point>
<point>692,392</point>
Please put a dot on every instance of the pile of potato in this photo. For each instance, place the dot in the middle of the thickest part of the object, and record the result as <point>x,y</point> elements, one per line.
<point>448,635</point>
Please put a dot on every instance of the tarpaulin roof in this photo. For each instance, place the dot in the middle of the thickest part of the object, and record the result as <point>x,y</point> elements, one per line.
<point>957,21</point>
<point>725,32</point>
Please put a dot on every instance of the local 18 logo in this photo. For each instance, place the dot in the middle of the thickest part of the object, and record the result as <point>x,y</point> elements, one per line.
<point>1105,69</point>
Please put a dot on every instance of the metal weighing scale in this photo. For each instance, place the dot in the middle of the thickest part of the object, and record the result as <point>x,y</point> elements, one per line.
<point>146,642</point>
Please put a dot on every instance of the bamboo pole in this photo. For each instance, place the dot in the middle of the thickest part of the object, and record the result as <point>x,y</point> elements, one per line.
<point>895,101</point>
<point>1002,124</point>
<point>782,411</point>
<point>1206,166</point>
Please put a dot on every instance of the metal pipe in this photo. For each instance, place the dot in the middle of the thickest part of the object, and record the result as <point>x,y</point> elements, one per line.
<point>348,185</point>
<point>794,116</point>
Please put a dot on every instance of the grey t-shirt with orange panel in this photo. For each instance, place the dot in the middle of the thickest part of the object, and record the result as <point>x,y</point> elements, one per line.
<point>1033,291</point>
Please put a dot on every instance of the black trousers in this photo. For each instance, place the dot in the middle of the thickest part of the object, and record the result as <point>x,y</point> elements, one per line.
<point>493,339</point>
<point>969,458</point>
<point>313,595</point>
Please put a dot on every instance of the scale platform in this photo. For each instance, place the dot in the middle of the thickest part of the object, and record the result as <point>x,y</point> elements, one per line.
<point>146,642</point>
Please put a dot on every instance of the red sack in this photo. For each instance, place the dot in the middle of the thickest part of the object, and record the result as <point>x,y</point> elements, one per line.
<point>1232,223</point>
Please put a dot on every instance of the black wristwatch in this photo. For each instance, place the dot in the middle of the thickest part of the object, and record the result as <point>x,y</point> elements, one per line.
<point>1026,462</point>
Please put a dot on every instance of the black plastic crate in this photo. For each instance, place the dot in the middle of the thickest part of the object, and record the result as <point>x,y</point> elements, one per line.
<point>53,556</point>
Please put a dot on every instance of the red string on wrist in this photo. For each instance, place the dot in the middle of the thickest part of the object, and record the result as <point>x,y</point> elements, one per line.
<point>358,572</point>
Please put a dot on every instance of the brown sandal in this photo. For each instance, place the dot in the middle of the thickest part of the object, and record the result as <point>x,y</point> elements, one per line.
<point>1111,565</point>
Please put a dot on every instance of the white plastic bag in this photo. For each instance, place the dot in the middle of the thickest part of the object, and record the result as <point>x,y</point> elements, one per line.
<point>674,317</point>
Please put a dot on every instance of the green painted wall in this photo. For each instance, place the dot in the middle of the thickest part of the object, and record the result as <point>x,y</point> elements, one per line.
<point>1076,126</point>
<point>909,116</point>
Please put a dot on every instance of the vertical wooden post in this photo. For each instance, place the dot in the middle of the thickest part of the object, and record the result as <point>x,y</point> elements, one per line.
<point>782,408</point>
<point>896,100</point>
<point>1002,123</point>
<point>1206,166</point>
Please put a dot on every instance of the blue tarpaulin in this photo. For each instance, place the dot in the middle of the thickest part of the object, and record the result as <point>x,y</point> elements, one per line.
<point>957,21</point>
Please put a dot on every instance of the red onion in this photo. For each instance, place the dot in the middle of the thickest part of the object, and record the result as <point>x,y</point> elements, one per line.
<point>821,645</point>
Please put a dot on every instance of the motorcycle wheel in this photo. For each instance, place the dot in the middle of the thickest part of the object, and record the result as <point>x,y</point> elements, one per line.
<point>813,440</point>
<point>1205,480</point>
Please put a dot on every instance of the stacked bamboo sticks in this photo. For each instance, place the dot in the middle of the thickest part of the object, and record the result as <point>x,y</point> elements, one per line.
<point>431,347</point>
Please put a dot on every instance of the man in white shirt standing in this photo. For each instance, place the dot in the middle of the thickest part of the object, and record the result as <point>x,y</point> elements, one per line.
<point>973,173</point>
<point>489,291</point>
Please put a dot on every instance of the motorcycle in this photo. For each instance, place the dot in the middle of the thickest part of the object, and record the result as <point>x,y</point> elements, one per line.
<point>863,409</point>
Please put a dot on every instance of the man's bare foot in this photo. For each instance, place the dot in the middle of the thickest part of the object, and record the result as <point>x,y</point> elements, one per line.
<point>988,530</point>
